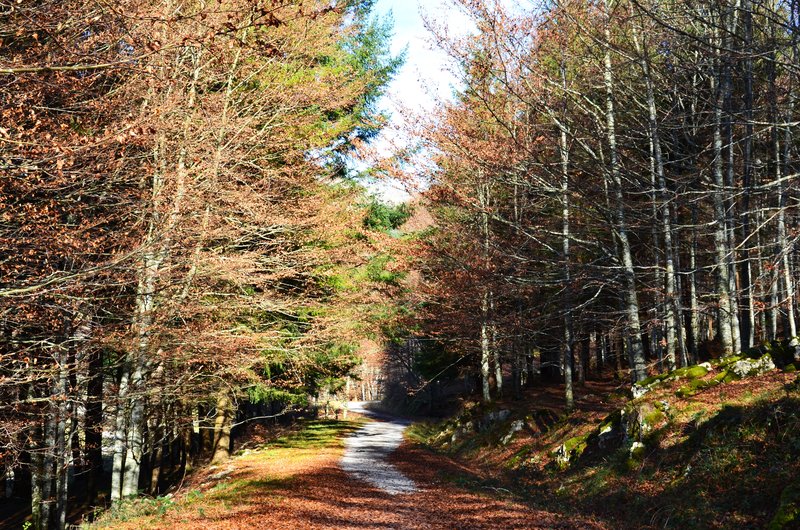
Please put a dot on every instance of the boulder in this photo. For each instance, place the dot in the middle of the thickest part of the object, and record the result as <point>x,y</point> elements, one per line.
<point>753,367</point>
<point>495,416</point>
<point>691,373</point>
<point>637,450</point>
<point>570,451</point>
<point>516,426</point>
<point>638,391</point>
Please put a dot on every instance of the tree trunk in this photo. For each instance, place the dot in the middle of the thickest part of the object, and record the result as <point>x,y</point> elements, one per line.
<point>748,306</point>
<point>630,296</point>
<point>222,428</point>
<point>566,301</point>
<point>486,353</point>
<point>671,297</point>
<point>720,219</point>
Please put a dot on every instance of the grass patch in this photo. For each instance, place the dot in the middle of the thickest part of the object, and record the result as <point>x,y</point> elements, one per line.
<point>317,435</point>
<point>423,432</point>
<point>270,472</point>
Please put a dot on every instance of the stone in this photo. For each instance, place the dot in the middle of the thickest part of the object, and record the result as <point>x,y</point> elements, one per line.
<point>562,457</point>
<point>788,515</point>
<point>637,450</point>
<point>639,391</point>
<point>494,417</point>
<point>750,367</point>
<point>516,426</point>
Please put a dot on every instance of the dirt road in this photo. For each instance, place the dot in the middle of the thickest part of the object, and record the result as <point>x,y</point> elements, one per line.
<point>376,481</point>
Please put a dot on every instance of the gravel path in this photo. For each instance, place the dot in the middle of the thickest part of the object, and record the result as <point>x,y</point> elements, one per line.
<point>368,449</point>
<point>377,485</point>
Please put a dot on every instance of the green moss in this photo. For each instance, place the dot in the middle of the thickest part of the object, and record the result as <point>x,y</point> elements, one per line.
<point>572,449</point>
<point>637,452</point>
<point>790,368</point>
<point>690,372</point>
<point>518,458</point>
<point>653,379</point>
<point>788,515</point>
<point>696,386</point>
<point>781,352</point>
<point>725,377</point>
<point>576,444</point>
<point>724,362</point>
<point>654,417</point>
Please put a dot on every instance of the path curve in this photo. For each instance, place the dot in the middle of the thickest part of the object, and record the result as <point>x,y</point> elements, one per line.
<point>367,451</point>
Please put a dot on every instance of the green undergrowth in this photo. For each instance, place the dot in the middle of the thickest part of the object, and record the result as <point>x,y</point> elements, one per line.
<point>664,460</point>
<point>317,434</point>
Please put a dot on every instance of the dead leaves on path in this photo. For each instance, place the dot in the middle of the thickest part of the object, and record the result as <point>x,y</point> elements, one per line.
<point>305,488</point>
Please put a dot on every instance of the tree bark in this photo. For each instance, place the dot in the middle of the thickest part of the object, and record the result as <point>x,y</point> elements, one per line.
<point>222,428</point>
<point>630,295</point>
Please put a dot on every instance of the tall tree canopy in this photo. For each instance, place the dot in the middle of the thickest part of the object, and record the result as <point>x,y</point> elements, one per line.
<point>170,202</point>
<point>614,177</point>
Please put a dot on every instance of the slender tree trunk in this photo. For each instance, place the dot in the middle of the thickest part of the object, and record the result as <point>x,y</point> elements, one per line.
<point>783,251</point>
<point>566,304</point>
<point>727,83</point>
<point>694,306</point>
<point>630,296</point>
<point>671,296</point>
<point>63,446</point>
<point>93,424</point>
<point>39,511</point>
<point>486,303</point>
<point>720,219</point>
<point>748,310</point>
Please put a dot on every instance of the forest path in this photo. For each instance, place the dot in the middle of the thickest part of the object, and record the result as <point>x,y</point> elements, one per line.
<point>367,451</point>
<point>307,480</point>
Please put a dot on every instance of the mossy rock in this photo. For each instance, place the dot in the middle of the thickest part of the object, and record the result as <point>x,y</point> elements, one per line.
<point>757,351</point>
<point>782,352</point>
<point>790,368</point>
<point>753,367</point>
<point>576,444</point>
<point>610,421</point>
<point>637,451</point>
<point>788,515</point>
<point>691,372</point>
<point>687,372</point>
<point>519,458</point>
<point>653,379</point>
<point>663,406</point>
<point>725,362</point>
<point>698,385</point>
<point>570,451</point>
<point>654,417</point>
<point>725,376</point>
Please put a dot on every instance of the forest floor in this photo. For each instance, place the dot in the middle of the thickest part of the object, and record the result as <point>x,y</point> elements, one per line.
<point>298,481</point>
<point>727,457</point>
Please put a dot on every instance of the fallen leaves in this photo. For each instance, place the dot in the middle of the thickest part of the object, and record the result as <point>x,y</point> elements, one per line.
<point>290,488</point>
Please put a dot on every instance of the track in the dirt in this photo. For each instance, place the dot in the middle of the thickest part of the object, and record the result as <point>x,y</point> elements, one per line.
<point>367,451</point>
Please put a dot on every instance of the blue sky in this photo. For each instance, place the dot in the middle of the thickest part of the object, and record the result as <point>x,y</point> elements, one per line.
<point>424,78</point>
<point>425,66</point>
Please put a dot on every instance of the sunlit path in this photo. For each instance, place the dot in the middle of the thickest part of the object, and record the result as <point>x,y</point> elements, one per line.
<point>367,451</point>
